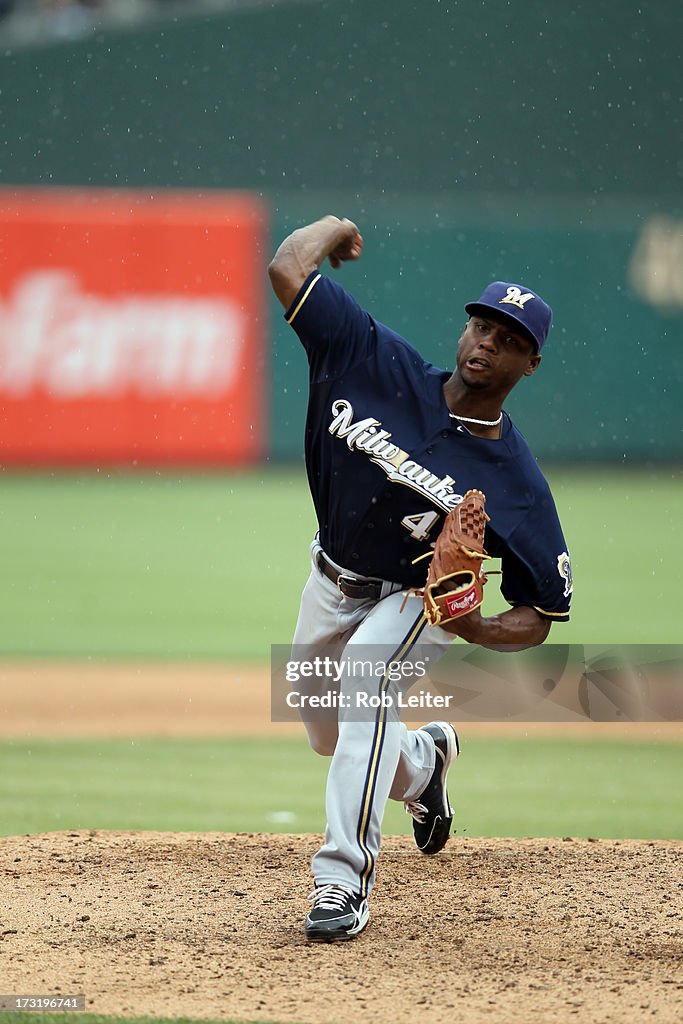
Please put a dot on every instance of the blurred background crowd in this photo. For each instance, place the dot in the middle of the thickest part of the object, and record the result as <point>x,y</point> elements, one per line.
<point>32,20</point>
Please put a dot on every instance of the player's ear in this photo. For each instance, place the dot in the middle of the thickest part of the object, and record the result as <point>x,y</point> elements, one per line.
<point>533,365</point>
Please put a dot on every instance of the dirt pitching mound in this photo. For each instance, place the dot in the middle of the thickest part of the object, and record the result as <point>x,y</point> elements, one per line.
<point>210,926</point>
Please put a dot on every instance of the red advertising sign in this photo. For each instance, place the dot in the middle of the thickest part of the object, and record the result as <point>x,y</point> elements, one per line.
<point>132,328</point>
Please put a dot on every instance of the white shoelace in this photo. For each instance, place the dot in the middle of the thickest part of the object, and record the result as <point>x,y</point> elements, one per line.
<point>330,897</point>
<point>416,810</point>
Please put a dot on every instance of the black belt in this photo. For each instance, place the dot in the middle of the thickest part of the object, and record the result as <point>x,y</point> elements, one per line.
<point>349,585</point>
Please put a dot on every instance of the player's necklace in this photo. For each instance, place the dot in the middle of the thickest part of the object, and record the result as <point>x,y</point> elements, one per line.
<point>481,423</point>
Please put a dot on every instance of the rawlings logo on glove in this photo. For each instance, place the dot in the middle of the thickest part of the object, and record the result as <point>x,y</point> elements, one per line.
<point>455,581</point>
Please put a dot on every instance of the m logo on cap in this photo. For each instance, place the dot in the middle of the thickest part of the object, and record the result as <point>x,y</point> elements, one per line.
<point>515,298</point>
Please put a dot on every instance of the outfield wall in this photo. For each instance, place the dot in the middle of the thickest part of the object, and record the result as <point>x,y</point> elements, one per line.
<point>136,330</point>
<point>535,144</point>
<point>392,95</point>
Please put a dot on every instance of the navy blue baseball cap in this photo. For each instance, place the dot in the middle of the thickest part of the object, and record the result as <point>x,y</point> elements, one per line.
<point>519,304</point>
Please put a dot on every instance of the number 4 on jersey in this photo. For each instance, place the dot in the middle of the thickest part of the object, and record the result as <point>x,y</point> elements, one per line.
<point>418,526</point>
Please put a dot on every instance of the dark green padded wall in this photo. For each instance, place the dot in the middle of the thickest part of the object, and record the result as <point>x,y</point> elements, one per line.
<point>470,140</point>
<point>511,97</point>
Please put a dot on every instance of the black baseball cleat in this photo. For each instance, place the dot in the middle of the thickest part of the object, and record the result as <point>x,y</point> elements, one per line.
<point>431,812</point>
<point>338,914</point>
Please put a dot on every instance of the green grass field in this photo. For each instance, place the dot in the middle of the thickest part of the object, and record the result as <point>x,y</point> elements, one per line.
<point>511,787</point>
<point>211,566</point>
<point>187,566</point>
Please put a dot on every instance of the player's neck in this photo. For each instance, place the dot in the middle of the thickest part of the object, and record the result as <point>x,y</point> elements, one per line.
<point>481,413</point>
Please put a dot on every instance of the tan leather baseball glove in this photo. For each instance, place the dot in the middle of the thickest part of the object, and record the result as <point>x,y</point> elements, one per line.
<point>455,581</point>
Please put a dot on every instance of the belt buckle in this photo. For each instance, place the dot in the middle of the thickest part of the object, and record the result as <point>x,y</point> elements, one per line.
<point>344,580</point>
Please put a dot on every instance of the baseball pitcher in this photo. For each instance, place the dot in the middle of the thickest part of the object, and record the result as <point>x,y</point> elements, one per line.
<point>419,478</point>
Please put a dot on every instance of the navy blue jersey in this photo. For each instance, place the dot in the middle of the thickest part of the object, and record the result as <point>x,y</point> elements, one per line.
<point>386,461</point>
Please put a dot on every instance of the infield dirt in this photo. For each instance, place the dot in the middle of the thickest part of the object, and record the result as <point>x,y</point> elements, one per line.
<point>210,925</point>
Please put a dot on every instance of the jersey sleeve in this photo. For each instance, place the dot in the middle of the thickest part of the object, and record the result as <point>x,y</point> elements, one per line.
<point>536,565</point>
<point>333,329</point>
